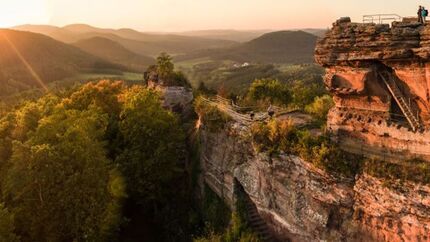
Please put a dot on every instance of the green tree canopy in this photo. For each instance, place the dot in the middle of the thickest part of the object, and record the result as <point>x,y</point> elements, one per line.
<point>58,182</point>
<point>270,90</point>
<point>67,164</point>
<point>152,144</point>
<point>165,65</point>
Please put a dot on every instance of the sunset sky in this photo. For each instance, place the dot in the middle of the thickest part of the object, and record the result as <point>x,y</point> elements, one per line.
<point>179,15</point>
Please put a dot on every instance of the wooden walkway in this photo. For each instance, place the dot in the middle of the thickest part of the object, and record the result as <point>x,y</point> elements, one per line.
<point>242,114</point>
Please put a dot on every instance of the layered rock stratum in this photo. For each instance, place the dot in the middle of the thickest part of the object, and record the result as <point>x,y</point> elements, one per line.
<point>300,202</point>
<point>379,76</point>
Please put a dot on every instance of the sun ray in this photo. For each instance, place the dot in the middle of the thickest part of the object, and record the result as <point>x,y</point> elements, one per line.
<point>25,62</point>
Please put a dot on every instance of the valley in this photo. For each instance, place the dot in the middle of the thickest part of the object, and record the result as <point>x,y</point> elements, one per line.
<point>182,121</point>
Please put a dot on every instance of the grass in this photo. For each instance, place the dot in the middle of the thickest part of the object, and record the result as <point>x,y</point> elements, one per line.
<point>414,170</point>
<point>281,136</point>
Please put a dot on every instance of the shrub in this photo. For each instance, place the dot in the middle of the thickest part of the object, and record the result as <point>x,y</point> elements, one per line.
<point>270,91</point>
<point>277,136</point>
<point>415,170</point>
<point>274,136</point>
<point>320,107</point>
<point>210,115</point>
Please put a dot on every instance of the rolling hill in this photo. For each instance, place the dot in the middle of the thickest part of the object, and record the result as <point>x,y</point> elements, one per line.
<point>275,47</point>
<point>27,59</point>
<point>138,42</point>
<point>115,53</point>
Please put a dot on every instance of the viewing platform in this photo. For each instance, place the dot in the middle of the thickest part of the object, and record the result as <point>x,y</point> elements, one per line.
<point>382,18</point>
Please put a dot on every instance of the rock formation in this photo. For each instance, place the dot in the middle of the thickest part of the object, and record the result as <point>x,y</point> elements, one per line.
<point>300,202</point>
<point>380,78</point>
<point>175,97</point>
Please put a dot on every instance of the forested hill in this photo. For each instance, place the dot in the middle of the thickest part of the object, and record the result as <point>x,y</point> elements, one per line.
<point>275,47</point>
<point>24,54</point>
<point>279,47</point>
<point>149,44</point>
<point>114,52</point>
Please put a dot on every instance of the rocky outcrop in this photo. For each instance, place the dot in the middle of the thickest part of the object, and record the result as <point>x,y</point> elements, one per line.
<point>176,98</point>
<point>378,74</point>
<point>300,202</point>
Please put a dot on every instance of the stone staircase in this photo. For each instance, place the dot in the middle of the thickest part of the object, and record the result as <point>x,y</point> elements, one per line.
<point>256,223</point>
<point>391,84</point>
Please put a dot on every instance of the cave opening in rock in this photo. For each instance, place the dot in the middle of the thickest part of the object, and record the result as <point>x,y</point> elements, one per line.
<point>248,210</point>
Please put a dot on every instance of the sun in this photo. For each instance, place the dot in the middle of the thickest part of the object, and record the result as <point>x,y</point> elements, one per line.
<point>16,12</point>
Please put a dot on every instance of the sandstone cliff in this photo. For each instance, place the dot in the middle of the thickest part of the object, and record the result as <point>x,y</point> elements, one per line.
<point>379,76</point>
<point>302,203</point>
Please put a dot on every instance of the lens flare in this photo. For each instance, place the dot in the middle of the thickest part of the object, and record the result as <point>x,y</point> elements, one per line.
<point>25,62</point>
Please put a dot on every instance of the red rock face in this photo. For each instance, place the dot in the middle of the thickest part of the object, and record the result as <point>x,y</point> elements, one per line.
<point>300,202</point>
<point>355,55</point>
<point>390,214</point>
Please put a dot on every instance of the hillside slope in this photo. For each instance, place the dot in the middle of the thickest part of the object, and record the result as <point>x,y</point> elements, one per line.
<point>114,52</point>
<point>278,47</point>
<point>25,55</point>
<point>138,42</point>
<point>275,47</point>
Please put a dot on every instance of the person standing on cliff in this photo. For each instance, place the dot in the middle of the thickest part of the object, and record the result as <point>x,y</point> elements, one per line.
<point>420,14</point>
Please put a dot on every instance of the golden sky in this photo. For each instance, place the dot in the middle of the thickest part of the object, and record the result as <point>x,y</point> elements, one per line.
<point>179,15</point>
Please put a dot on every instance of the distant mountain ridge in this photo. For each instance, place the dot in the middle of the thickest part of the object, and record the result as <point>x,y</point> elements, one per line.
<point>138,42</point>
<point>115,53</point>
<point>151,44</point>
<point>23,53</point>
<point>244,35</point>
<point>274,47</point>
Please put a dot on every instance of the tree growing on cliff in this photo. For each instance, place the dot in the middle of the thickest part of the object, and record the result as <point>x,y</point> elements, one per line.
<point>165,65</point>
<point>152,145</point>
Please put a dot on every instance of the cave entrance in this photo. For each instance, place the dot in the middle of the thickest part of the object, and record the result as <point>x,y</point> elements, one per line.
<point>248,211</point>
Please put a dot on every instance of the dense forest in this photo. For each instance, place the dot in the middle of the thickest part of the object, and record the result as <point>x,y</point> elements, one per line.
<point>71,164</point>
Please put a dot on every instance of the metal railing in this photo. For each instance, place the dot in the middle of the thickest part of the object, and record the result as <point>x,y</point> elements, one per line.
<point>237,113</point>
<point>381,18</point>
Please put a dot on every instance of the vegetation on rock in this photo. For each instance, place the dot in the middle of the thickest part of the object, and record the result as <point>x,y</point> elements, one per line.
<point>278,136</point>
<point>414,170</point>
<point>210,115</point>
<point>164,73</point>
